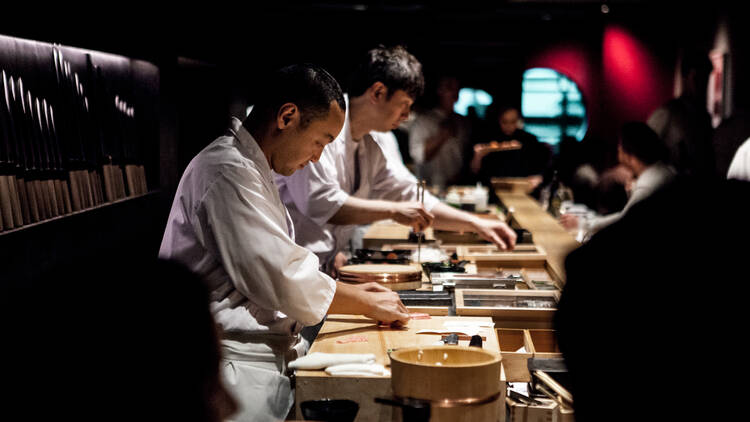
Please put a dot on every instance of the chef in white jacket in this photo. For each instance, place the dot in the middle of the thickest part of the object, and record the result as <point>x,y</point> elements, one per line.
<point>228,224</point>
<point>354,182</point>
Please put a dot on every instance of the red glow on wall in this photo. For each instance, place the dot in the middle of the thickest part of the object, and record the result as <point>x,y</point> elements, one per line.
<point>571,61</point>
<point>574,60</point>
<point>631,75</point>
<point>626,82</point>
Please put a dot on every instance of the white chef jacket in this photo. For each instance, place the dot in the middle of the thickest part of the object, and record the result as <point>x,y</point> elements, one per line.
<point>740,167</point>
<point>314,194</point>
<point>445,165</point>
<point>228,224</point>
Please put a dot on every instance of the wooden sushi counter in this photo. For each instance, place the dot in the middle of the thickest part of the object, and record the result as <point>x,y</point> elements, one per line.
<point>546,231</point>
<point>335,337</point>
<point>518,317</point>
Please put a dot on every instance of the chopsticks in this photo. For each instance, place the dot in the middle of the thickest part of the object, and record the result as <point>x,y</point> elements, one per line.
<point>421,185</point>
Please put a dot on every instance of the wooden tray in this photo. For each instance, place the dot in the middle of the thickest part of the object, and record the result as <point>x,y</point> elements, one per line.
<point>537,343</point>
<point>507,304</point>
<point>388,231</point>
<point>458,237</point>
<point>526,255</point>
<point>448,248</point>
<point>544,344</point>
<point>515,363</point>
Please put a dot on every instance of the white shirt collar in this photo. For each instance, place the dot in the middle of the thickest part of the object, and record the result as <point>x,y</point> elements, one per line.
<point>248,142</point>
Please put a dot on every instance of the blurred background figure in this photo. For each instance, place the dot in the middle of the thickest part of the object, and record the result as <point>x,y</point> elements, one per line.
<point>119,339</point>
<point>642,154</point>
<point>684,124</point>
<point>438,136</point>
<point>511,152</point>
<point>611,193</point>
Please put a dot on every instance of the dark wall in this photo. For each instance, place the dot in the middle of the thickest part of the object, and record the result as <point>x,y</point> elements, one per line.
<point>203,98</point>
<point>130,226</point>
<point>130,229</point>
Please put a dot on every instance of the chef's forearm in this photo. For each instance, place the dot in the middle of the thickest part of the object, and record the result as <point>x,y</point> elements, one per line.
<point>449,218</point>
<point>362,211</point>
<point>349,300</point>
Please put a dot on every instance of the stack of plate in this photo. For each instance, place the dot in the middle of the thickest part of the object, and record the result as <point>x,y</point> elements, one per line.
<point>396,277</point>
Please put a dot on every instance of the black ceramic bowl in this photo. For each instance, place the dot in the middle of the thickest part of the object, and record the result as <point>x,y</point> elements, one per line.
<point>329,410</point>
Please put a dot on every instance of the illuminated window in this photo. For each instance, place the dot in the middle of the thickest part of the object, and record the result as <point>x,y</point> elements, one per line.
<point>552,106</point>
<point>470,97</point>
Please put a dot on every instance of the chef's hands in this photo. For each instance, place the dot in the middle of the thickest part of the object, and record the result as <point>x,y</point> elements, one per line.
<point>496,232</point>
<point>368,299</point>
<point>385,305</point>
<point>373,287</point>
<point>338,261</point>
<point>412,214</point>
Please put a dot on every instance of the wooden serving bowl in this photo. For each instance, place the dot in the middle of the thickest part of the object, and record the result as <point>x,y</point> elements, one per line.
<point>461,383</point>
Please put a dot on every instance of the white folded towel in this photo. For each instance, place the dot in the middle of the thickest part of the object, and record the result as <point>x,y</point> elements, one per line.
<point>357,369</point>
<point>319,360</point>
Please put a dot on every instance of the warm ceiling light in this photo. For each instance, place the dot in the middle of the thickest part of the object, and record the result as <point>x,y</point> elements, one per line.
<point>605,9</point>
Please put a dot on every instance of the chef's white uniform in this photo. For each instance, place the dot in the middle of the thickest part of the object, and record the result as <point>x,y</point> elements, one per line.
<point>228,224</point>
<point>347,167</point>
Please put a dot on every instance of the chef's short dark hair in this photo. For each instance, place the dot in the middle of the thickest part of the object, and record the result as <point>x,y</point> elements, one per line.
<point>311,88</point>
<point>395,67</point>
<point>639,140</point>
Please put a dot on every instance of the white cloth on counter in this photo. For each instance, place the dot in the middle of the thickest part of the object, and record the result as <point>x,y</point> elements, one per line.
<point>358,369</point>
<point>315,193</point>
<point>318,360</point>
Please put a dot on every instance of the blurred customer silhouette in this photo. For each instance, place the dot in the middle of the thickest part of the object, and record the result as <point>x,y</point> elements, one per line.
<point>115,339</point>
<point>684,124</point>
<point>665,245</point>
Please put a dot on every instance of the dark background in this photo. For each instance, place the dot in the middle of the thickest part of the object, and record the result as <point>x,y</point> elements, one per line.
<point>210,56</point>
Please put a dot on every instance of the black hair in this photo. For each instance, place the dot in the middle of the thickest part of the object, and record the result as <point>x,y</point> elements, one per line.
<point>504,108</point>
<point>395,67</point>
<point>639,140</point>
<point>311,88</point>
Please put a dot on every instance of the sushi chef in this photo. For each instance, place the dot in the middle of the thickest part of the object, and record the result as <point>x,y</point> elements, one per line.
<point>354,183</point>
<point>229,225</point>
